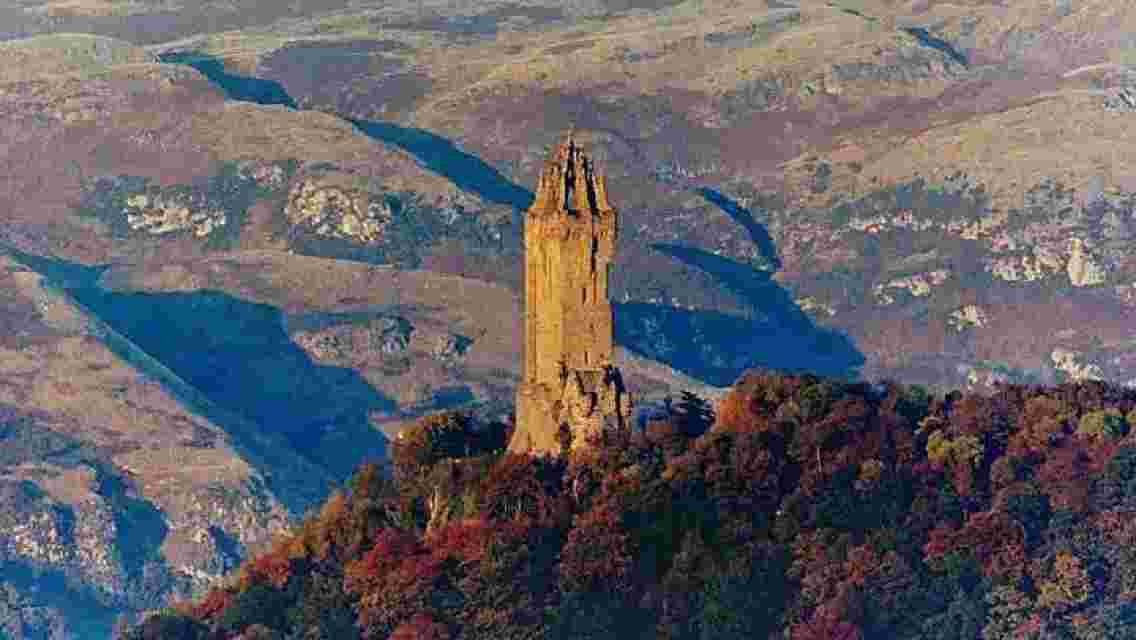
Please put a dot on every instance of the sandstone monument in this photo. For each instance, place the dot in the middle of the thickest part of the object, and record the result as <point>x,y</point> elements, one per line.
<point>570,384</point>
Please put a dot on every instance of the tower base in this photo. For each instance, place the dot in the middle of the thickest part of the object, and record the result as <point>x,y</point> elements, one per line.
<point>587,402</point>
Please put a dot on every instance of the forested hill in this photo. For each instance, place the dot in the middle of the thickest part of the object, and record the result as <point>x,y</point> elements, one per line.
<point>810,509</point>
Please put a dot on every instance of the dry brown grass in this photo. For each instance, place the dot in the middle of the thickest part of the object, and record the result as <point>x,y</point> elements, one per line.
<point>67,53</point>
<point>1067,136</point>
<point>102,8</point>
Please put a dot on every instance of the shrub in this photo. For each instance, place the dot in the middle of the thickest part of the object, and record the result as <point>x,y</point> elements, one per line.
<point>421,627</point>
<point>1105,423</point>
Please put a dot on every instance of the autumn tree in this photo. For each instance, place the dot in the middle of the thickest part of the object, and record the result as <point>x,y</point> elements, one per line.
<point>394,580</point>
<point>1103,423</point>
<point>1068,587</point>
<point>432,438</point>
<point>421,627</point>
<point>812,509</point>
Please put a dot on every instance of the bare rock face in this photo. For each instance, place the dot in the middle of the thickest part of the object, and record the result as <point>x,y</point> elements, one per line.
<point>160,215</point>
<point>918,285</point>
<point>450,347</point>
<point>266,175</point>
<point>1026,268</point>
<point>985,378</point>
<point>1083,270</point>
<point>809,304</point>
<point>347,343</point>
<point>1068,362</point>
<point>1123,101</point>
<point>969,316</point>
<point>337,212</point>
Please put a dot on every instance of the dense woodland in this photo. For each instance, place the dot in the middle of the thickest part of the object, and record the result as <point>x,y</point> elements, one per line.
<point>806,509</point>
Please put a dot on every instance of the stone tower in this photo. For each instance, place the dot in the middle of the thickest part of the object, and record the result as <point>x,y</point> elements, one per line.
<point>569,379</point>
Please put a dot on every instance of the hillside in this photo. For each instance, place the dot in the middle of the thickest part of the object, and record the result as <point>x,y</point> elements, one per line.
<point>810,509</point>
<point>875,188</point>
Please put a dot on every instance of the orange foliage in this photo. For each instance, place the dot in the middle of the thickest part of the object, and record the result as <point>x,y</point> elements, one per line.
<point>421,627</point>
<point>833,477</point>
<point>598,553</point>
<point>736,412</point>
<point>214,602</point>
<point>392,580</point>
<point>826,624</point>
<point>521,486</point>
<point>272,567</point>
<point>1043,423</point>
<point>995,540</point>
<point>467,540</point>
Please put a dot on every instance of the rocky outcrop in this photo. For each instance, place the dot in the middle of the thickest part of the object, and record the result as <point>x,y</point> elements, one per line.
<point>880,223</point>
<point>337,212</point>
<point>918,285</point>
<point>1123,101</point>
<point>211,208</point>
<point>210,530</point>
<point>967,317</point>
<point>811,305</point>
<point>1083,270</point>
<point>980,377</point>
<point>1066,361</point>
<point>159,215</point>
<point>450,347</point>
<point>1043,262</point>
<point>356,342</point>
<point>267,175</point>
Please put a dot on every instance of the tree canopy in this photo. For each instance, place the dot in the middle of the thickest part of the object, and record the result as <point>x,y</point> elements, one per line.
<point>797,507</point>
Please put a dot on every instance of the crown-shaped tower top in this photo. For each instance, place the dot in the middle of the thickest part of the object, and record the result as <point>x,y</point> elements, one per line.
<point>569,183</point>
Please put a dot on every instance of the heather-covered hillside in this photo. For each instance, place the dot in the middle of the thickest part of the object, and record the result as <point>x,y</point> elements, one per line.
<point>807,509</point>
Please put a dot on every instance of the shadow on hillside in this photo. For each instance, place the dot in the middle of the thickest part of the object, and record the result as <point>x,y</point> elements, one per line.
<point>235,86</point>
<point>436,153</point>
<point>718,347</point>
<point>707,345</point>
<point>86,615</point>
<point>757,231</point>
<point>441,156</point>
<point>140,528</point>
<point>237,355</point>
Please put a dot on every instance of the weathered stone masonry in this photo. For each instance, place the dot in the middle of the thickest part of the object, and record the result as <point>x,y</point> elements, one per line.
<point>569,377</point>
